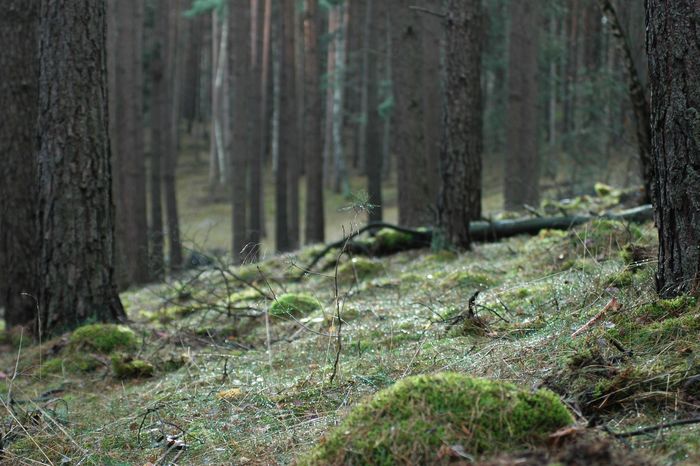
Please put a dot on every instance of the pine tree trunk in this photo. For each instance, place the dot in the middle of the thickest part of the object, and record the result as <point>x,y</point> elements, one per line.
<point>673,44</point>
<point>76,213</point>
<point>257,145</point>
<point>286,114</point>
<point>522,157</point>
<point>127,148</point>
<point>376,11</point>
<point>416,195</point>
<point>214,130</point>
<point>19,94</point>
<point>239,151</point>
<point>289,128</point>
<point>315,221</point>
<point>460,196</point>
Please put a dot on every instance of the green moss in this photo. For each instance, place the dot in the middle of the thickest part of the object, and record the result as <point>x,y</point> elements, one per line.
<point>294,304</point>
<point>71,362</point>
<point>126,367</point>
<point>387,240</point>
<point>464,279</point>
<point>103,338</point>
<point>441,256</point>
<point>409,422</point>
<point>621,279</point>
<point>361,267</point>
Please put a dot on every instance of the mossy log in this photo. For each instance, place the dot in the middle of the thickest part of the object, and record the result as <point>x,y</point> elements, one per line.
<point>481,231</point>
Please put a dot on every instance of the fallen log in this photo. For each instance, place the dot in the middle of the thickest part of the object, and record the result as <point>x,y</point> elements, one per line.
<point>481,231</point>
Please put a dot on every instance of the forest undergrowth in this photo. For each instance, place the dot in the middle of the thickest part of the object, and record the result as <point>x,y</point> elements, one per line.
<point>256,364</point>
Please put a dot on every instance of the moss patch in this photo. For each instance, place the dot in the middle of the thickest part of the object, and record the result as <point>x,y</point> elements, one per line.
<point>126,367</point>
<point>104,338</point>
<point>409,422</point>
<point>359,267</point>
<point>294,304</point>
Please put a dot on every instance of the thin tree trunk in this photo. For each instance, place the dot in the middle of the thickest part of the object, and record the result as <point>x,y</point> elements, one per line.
<point>341,183</point>
<point>673,44</point>
<point>376,11</point>
<point>328,165</point>
<point>285,120</point>
<point>315,221</point>
<point>240,148</point>
<point>19,96</point>
<point>76,213</point>
<point>214,170</point>
<point>257,145</point>
<point>460,196</point>
<point>289,124</point>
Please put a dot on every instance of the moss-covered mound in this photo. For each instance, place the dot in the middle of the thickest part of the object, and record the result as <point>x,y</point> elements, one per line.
<point>359,267</point>
<point>126,367</point>
<point>294,304</point>
<point>103,338</point>
<point>409,422</point>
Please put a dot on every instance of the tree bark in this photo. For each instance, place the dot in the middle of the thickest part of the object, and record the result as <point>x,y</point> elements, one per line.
<point>239,151</point>
<point>673,47</point>
<point>128,156</point>
<point>19,95</point>
<point>460,195</point>
<point>289,128</point>
<point>416,194</point>
<point>376,11</point>
<point>522,157</point>
<point>315,219</point>
<point>76,212</point>
<point>257,147</point>
<point>286,127</point>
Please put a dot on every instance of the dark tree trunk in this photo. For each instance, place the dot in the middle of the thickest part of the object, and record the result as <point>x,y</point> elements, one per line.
<point>460,195</point>
<point>375,130</point>
<point>416,192</point>
<point>637,94</point>
<point>286,114</point>
<point>127,133</point>
<point>522,161</point>
<point>239,152</point>
<point>76,212</point>
<point>257,144</point>
<point>673,47</point>
<point>315,221</point>
<point>170,130</point>
<point>19,95</point>
<point>289,128</point>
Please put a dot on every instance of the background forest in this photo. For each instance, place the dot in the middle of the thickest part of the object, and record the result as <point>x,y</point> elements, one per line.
<point>325,232</point>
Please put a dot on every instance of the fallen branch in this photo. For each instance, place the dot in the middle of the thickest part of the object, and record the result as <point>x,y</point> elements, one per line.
<point>483,231</point>
<point>663,425</point>
<point>613,305</point>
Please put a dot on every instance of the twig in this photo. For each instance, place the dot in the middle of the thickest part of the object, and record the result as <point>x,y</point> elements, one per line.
<point>663,425</point>
<point>613,305</point>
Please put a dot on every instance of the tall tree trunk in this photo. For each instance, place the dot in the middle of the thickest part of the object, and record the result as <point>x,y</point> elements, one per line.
<point>376,11</point>
<point>416,195</point>
<point>432,90</point>
<point>341,183</point>
<point>286,114</point>
<point>170,131</point>
<point>257,145</point>
<point>214,131</point>
<point>315,221</point>
<point>460,195</point>
<point>328,165</point>
<point>19,95</point>
<point>127,148</point>
<point>522,161</point>
<point>289,128</point>
<point>673,44</point>
<point>76,213</point>
<point>239,151</point>
<point>352,66</point>
<point>637,94</point>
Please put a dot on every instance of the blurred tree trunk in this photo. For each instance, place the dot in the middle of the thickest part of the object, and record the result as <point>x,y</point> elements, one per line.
<point>354,20</point>
<point>76,214</point>
<point>257,144</point>
<point>332,31</point>
<point>433,91</point>
<point>376,16</point>
<point>191,80</point>
<point>285,115</point>
<point>240,147</point>
<point>673,44</point>
<point>128,160</point>
<point>341,183</point>
<point>289,140</point>
<point>417,194</point>
<point>637,94</point>
<point>214,131</point>
<point>460,195</point>
<point>158,145</point>
<point>170,130</point>
<point>19,96</point>
<point>522,161</point>
<point>312,129</point>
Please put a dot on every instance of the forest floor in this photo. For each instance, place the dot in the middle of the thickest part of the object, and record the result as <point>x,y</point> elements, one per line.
<point>210,371</point>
